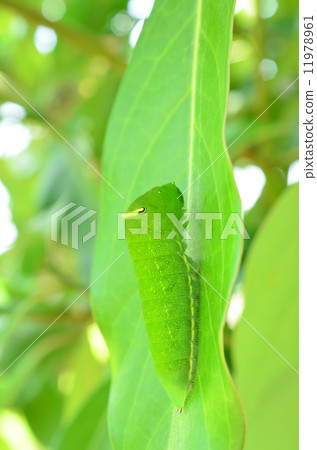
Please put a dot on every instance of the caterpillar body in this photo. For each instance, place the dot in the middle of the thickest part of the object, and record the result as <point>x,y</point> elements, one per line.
<point>168,289</point>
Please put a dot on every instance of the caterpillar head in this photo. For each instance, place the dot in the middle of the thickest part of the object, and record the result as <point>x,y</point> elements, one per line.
<point>161,199</point>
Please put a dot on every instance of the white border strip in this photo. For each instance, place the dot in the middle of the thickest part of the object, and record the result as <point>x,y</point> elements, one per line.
<point>308,245</point>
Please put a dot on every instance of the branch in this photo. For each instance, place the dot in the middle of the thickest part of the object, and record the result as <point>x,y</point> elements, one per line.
<point>83,39</point>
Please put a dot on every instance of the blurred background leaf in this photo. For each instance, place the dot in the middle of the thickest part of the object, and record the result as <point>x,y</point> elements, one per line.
<point>88,430</point>
<point>267,384</point>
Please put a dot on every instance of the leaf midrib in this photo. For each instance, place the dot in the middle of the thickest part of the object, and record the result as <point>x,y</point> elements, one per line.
<point>193,97</point>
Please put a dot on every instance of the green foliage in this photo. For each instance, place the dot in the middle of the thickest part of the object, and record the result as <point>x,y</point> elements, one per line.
<point>88,430</point>
<point>47,393</point>
<point>267,384</point>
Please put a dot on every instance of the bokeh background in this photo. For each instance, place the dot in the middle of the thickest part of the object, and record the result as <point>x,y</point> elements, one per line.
<point>63,60</point>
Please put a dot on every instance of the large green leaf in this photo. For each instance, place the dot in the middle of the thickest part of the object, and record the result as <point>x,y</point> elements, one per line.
<point>167,125</point>
<point>268,385</point>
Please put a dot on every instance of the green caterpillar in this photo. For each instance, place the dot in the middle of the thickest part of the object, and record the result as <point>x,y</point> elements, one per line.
<point>168,289</point>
